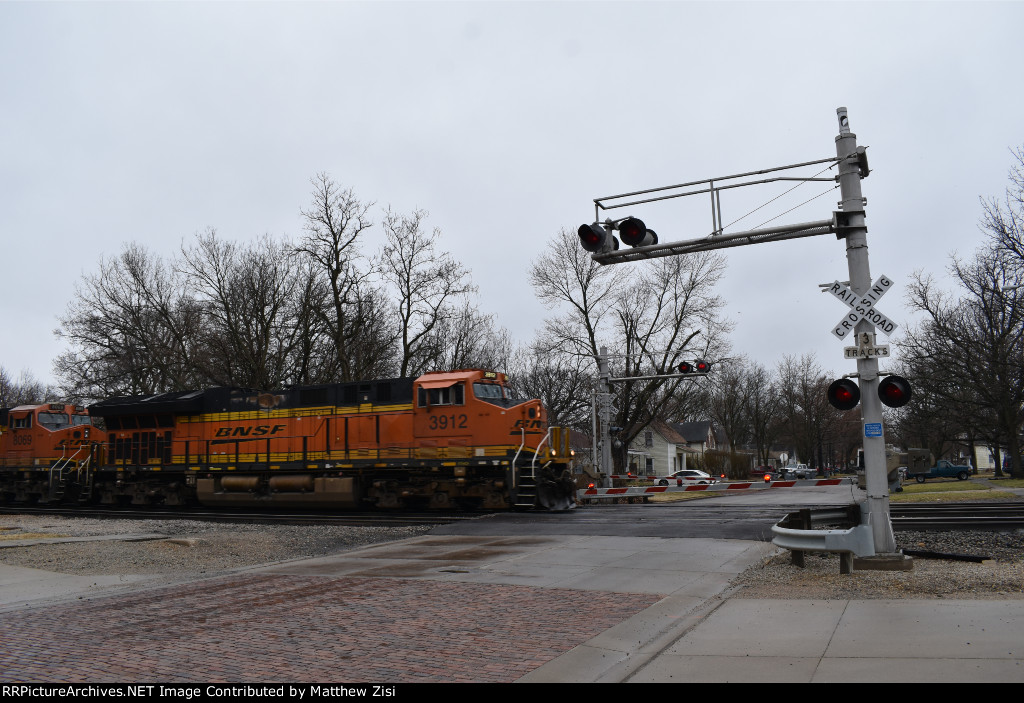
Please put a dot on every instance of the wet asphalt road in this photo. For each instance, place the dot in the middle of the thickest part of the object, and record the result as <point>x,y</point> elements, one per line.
<point>749,515</point>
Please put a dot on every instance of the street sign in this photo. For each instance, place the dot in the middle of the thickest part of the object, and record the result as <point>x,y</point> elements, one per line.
<point>872,429</point>
<point>862,307</point>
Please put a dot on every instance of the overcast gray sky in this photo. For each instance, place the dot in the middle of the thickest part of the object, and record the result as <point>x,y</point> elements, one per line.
<point>150,122</point>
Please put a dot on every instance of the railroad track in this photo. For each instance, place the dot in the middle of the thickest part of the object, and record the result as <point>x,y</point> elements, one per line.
<point>944,516</point>
<point>951,516</point>
<point>354,519</point>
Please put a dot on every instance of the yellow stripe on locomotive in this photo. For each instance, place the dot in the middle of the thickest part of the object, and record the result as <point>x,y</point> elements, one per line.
<point>440,440</point>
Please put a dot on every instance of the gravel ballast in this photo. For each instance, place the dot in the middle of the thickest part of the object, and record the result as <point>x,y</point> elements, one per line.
<point>188,547</point>
<point>1001,576</point>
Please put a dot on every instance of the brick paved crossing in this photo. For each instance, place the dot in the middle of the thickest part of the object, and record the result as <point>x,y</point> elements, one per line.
<point>295,629</point>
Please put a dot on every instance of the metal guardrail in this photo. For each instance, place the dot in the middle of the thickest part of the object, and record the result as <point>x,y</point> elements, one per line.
<point>795,532</point>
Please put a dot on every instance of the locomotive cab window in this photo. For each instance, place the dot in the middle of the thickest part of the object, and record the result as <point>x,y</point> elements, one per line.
<point>53,421</point>
<point>488,390</point>
<point>451,395</point>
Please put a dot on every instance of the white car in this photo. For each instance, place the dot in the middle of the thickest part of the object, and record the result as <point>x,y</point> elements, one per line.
<point>683,477</point>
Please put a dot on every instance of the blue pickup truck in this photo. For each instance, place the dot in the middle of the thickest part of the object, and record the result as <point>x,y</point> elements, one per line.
<point>942,469</point>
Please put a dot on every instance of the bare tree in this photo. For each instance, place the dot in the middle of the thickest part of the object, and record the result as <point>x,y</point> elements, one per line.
<point>253,307</point>
<point>1003,222</point>
<point>26,389</point>
<point>983,334</point>
<point>426,282</point>
<point>131,328</point>
<point>940,414</point>
<point>762,405</point>
<point>809,420</point>
<point>651,316</point>
<point>561,381</point>
<point>353,313</point>
<point>466,338</point>
<point>728,402</point>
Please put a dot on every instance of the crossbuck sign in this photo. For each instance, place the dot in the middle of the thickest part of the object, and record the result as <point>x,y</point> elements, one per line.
<point>862,307</point>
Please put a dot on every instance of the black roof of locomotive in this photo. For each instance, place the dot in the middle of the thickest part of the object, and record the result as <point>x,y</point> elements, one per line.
<point>228,399</point>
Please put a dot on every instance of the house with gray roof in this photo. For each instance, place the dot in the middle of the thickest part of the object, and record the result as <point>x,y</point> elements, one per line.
<point>659,450</point>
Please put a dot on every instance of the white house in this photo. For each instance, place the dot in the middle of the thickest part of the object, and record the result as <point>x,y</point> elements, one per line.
<point>660,450</point>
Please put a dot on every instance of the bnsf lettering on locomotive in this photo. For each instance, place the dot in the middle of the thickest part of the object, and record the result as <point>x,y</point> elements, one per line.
<point>529,424</point>
<point>256,431</point>
<point>72,443</point>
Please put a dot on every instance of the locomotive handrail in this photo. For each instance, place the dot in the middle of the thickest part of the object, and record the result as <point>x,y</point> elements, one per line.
<point>64,451</point>
<point>67,461</point>
<point>516,457</point>
<point>82,466</point>
<point>60,467</point>
<point>533,462</point>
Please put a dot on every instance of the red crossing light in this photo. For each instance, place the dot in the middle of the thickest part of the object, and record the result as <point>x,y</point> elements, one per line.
<point>596,238</point>
<point>894,391</point>
<point>843,394</point>
<point>635,233</point>
<point>698,366</point>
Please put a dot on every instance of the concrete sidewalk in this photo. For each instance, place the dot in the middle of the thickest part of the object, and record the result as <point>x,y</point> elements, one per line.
<point>565,608</point>
<point>731,639</point>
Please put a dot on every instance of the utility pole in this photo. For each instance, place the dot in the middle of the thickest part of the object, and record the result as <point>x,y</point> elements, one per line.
<point>604,417</point>
<point>875,469</point>
<point>864,320</point>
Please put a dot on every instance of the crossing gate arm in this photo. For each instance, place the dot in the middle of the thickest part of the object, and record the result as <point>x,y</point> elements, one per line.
<point>585,494</point>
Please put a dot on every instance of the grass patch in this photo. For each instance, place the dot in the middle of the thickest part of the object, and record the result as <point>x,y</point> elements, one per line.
<point>1009,482</point>
<point>940,486</point>
<point>951,496</point>
<point>948,491</point>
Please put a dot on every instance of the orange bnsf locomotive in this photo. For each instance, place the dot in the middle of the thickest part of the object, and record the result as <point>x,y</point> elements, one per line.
<point>442,440</point>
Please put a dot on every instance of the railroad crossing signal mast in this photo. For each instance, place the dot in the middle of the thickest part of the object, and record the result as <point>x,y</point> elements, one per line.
<point>604,406</point>
<point>851,170</point>
<point>847,224</point>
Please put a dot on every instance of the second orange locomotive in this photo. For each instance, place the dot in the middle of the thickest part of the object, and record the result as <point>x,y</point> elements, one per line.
<point>441,440</point>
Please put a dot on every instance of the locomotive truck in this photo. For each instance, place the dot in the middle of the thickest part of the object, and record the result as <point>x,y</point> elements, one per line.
<point>443,440</point>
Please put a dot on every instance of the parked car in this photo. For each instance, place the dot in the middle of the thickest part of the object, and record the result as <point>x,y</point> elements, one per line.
<point>798,471</point>
<point>685,476</point>
<point>942,469</point>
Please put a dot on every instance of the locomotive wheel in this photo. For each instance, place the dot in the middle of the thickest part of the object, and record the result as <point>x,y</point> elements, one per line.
<point>440,501</point>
